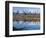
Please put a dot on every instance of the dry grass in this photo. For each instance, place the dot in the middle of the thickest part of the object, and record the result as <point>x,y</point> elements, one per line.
<point>27,17</point>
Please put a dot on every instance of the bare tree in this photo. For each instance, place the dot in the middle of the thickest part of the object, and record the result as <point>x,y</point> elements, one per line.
<point>17,12</point>
<point>24,12</point>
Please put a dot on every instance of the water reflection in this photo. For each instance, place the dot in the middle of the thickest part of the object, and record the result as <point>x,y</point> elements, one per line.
<point>21,25</point>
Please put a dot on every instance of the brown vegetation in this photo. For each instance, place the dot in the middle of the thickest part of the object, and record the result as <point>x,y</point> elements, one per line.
<point>27,17</point>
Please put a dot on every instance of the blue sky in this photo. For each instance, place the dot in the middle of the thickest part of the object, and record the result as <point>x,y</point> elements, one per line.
<point>26,9</point>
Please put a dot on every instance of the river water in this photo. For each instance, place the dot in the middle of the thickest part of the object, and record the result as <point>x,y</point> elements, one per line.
<point>21,25</point>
